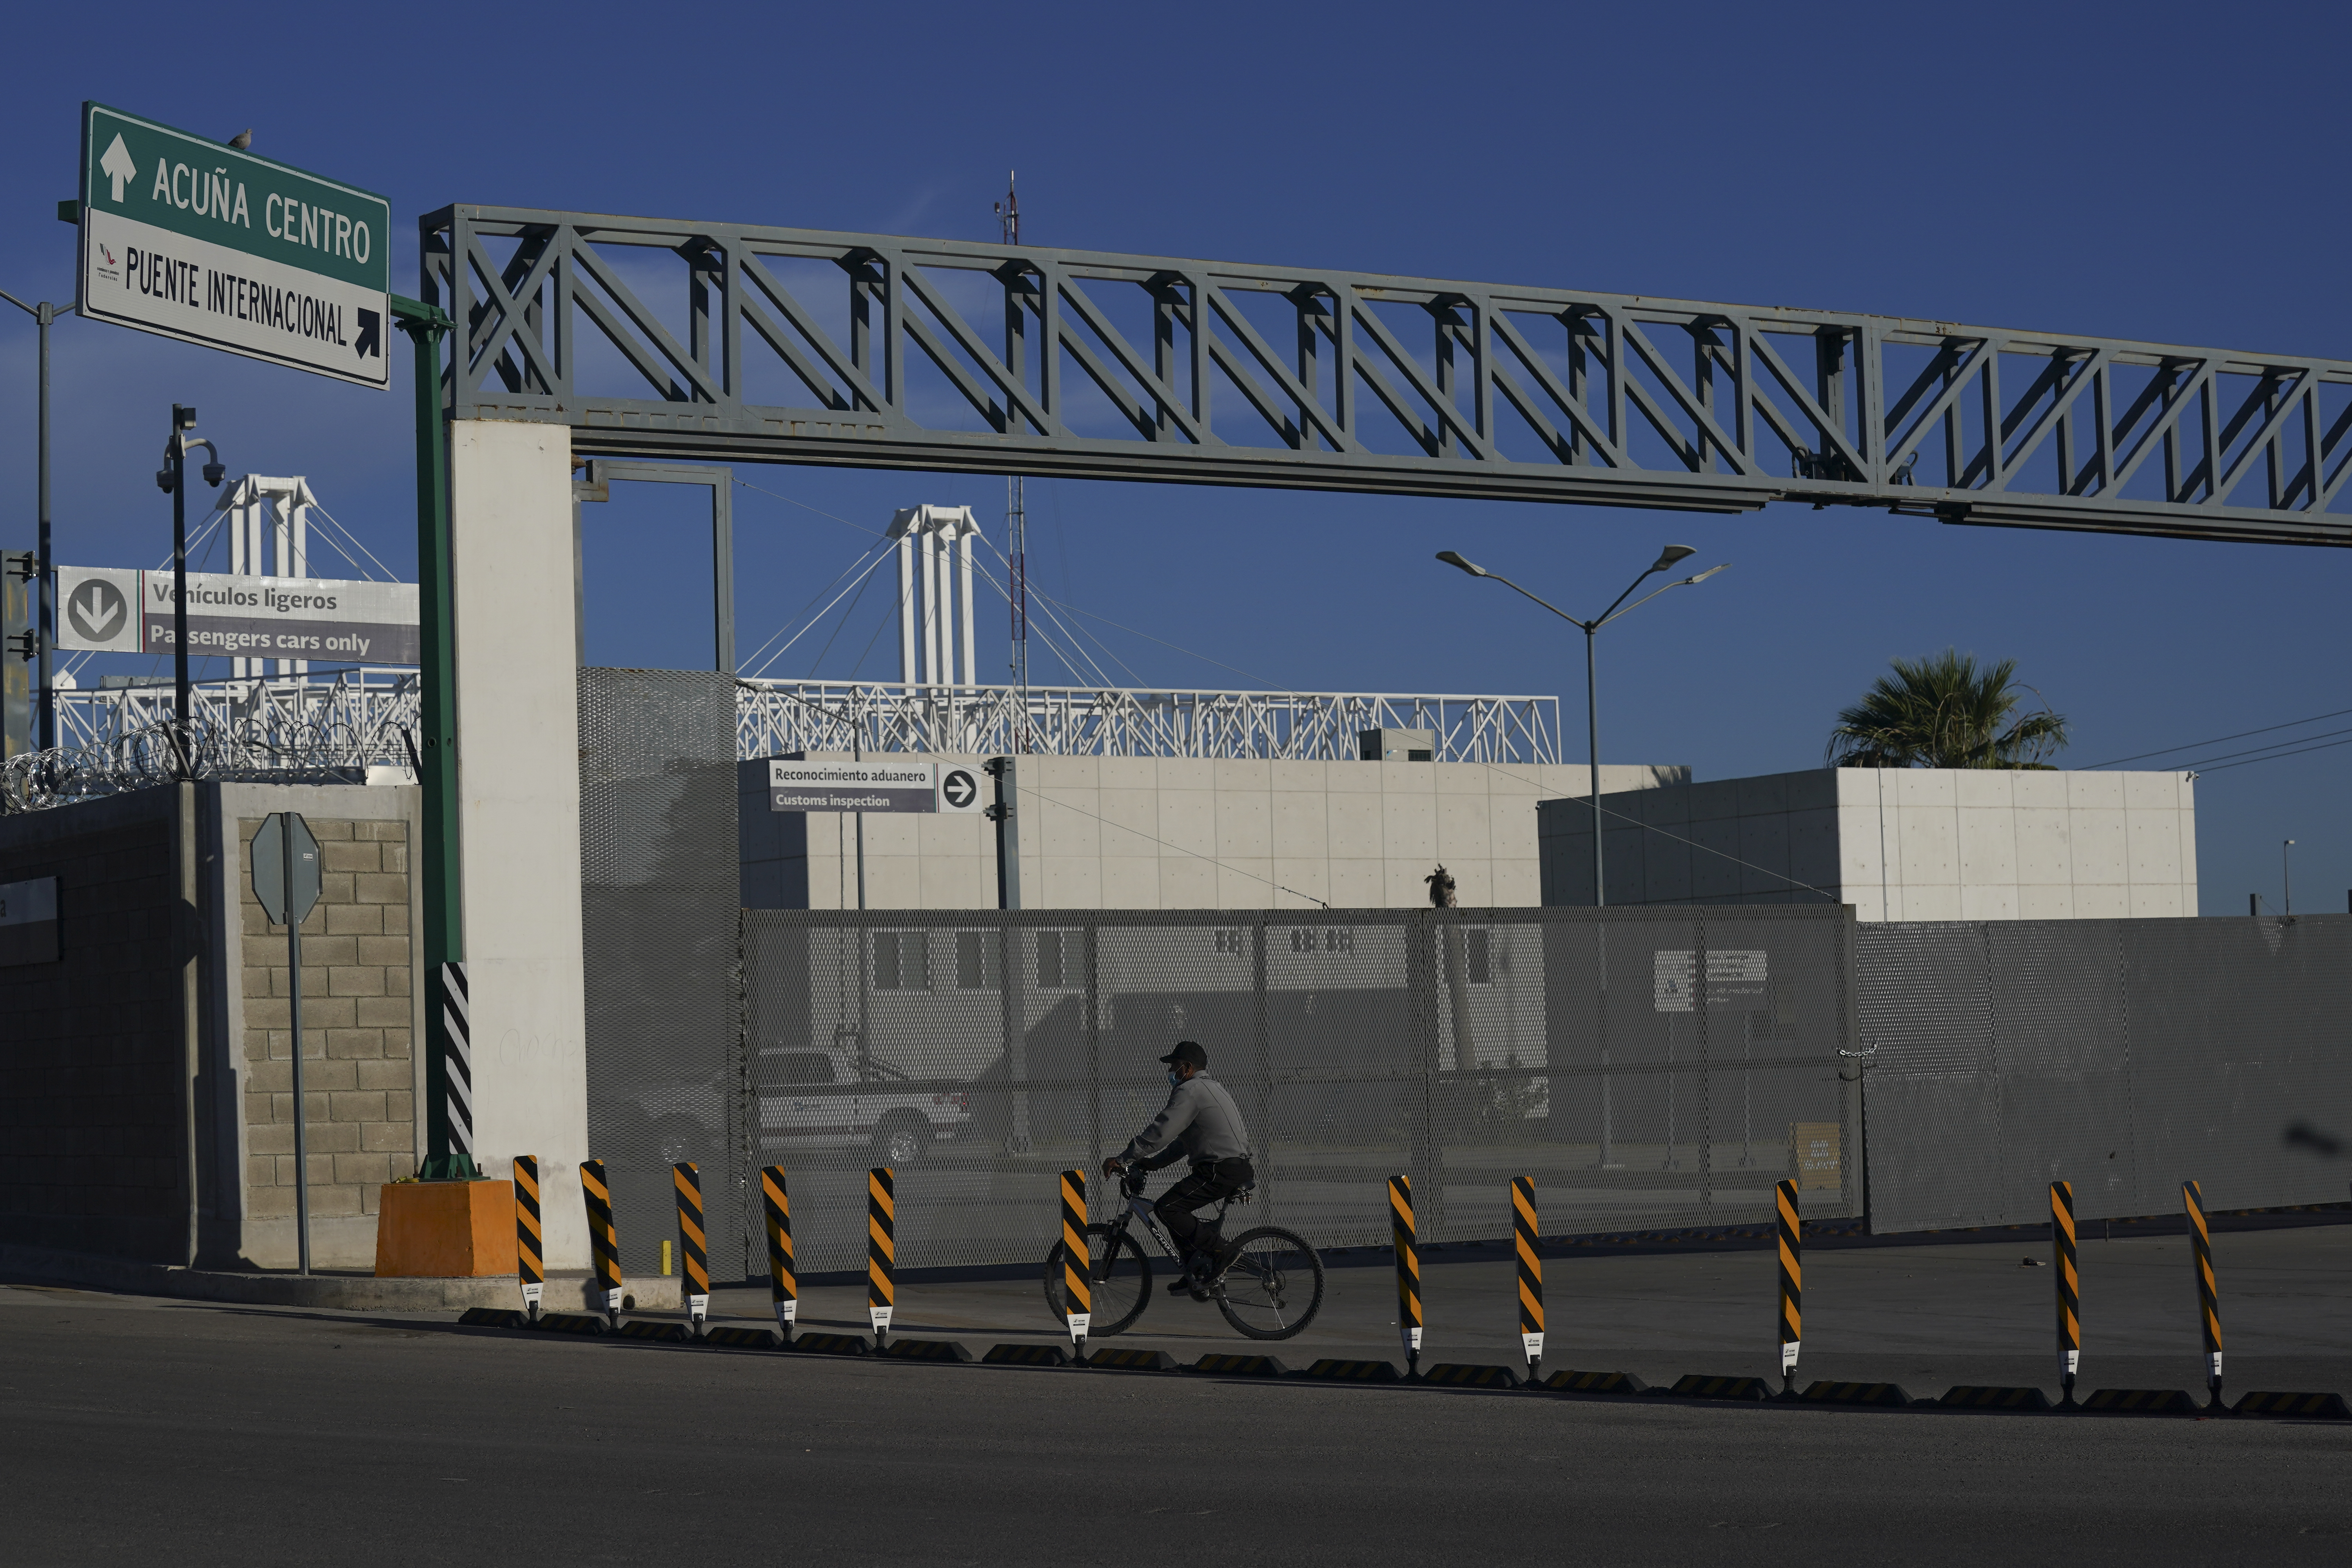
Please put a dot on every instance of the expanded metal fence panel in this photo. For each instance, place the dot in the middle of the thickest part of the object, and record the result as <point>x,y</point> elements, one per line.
<point>659,896</point>
<point>2124,1056</point>
<point>1646,1067</point>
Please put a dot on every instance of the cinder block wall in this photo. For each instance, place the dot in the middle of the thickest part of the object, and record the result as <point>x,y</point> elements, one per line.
<point>358,1040</point>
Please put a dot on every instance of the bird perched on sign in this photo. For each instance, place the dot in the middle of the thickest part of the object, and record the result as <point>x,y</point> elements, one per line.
<point>1440,887</point>
<point>242,140</point>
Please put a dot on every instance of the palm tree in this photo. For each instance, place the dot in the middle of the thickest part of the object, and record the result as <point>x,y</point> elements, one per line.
<point>1945,711</point>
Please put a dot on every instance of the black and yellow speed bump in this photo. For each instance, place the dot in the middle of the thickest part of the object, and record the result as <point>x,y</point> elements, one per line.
<point>2142,1402</point>
<point>1334,1371</point>
<point>831,1344</point>
<point>646,1329</point>
<point>1978,1396</point>
<point>572,1322</point>
<point>1027,1355</point>
<point>1465,1374</point>
<point>494,1317</point>
<point>1883,1396</point>
<point>926,1349</point>
<point>730,1334</point>
<point>1133,1360</point>
<point>2314,1407</point>
<point>1698,1385</point>
<point>1227,1365</point>
<point>1573,1381</point>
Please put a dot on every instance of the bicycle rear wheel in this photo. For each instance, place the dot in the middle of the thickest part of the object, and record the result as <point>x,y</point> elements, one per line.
<point>1273,1285</point>
<point>1120,1276</point>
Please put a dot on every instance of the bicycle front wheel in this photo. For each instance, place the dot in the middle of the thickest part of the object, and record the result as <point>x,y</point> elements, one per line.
<point>1274,1285</point>
<point>1120,1278</point>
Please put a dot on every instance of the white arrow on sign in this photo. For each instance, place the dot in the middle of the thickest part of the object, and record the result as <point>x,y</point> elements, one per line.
<point>117,165</point>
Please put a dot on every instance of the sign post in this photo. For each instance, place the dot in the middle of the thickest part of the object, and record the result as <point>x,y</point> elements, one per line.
<point>286,880</point>
<point>187,238</point>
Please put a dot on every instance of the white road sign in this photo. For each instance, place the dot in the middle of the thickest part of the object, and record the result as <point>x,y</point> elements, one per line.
<point>187,237</point>
<point>120,610</point>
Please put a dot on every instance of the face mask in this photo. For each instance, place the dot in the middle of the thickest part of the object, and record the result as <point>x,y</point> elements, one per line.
<point>1175,1077</point>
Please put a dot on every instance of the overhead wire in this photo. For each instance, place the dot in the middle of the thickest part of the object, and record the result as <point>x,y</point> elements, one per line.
<point>2264,730</point>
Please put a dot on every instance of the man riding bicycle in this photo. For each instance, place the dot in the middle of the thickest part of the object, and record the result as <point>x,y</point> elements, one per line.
<point>1201,1124</point>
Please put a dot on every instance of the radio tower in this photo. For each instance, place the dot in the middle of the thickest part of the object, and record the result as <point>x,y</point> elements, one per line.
<point>1016,515</point>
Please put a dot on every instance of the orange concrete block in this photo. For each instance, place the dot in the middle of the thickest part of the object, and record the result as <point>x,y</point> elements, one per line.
<point>446,1229</point>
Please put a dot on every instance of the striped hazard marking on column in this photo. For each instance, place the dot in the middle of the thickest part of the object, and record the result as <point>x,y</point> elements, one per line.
<point>1792,1283</point>
<point>603,1240</point>
<point>881,1249</point>
<point>530,1268</point>
<point>2067,1285</point>
<point>1408,1268</point>
<point>2208,1294</point>
<point>1077,1263</point>
<point>1523,1238</point>
<point>694,1248</point>
<point>783,1285</point>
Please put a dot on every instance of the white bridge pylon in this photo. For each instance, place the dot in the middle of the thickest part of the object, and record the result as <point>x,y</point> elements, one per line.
<point>935,544</point>
<point>260,510</point>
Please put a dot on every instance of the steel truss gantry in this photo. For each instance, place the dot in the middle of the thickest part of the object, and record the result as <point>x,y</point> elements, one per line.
<point>717,342</point>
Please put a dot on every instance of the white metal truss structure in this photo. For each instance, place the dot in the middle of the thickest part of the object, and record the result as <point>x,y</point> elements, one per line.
<point>324,726</point>
<point>775,717</point>
<point>876,351</point>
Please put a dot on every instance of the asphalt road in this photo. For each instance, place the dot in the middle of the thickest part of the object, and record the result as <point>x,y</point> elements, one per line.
<point>144,1430</point>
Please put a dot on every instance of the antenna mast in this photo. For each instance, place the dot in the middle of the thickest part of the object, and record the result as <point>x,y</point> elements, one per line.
<point>1017,514</point>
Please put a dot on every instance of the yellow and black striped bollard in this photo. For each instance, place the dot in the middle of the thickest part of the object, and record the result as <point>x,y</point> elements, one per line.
<point>2069,1287</point>
<point>783,1285</point>
<point>1523,1237</point>
<point>603,1240</point>
<point>881,1250</point>
<point>530,1270</point>
<point>2208,1294</point>
<point>1408,1271</point>
<point>693,1247</point>
<point>1792,1286</point>
<point>1078,1283</point>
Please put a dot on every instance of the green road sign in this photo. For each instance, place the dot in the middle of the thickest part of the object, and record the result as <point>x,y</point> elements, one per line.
<point>183,237</point>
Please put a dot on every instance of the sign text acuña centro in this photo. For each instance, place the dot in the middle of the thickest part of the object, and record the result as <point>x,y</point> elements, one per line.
<point>186,237</point>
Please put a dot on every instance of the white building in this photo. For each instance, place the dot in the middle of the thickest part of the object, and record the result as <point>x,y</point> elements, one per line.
<point>1184,832</point>
<point>1898,844</point>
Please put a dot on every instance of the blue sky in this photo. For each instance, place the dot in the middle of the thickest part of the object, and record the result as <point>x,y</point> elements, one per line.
<point>2150,171</point>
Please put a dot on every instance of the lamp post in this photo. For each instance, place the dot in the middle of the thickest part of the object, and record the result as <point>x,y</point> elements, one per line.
<point>1591,629</point>
<point>45,594</point>
<point>2286,875</point>
<point>173,477</point>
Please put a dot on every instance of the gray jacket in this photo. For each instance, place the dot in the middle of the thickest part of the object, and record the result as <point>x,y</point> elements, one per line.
<point>1200,1121</point>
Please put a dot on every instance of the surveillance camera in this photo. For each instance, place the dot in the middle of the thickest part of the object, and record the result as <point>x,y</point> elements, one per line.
<point>164,480</point>
<point>214,473</point>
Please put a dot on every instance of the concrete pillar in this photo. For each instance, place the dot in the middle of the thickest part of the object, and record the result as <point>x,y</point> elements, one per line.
<point>970,663</point>
<point>930,607</point>
<point>909,674</point>
<point>519,785</point>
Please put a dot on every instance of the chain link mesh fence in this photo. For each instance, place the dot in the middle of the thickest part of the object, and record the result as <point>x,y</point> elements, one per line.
<point>2122,1055</point>
<point>1647,1067</point>
<point>658,896</point>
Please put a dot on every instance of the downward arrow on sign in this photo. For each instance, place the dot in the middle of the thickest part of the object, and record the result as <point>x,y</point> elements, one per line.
<point>116,164</point>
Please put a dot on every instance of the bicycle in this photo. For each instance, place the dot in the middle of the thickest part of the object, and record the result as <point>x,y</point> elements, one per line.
<point>1270,1287</point>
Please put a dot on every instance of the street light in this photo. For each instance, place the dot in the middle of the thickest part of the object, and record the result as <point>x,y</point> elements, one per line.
<point>45,613</point>
<point>1666,557</point>
<point>2286,875</point>
<point>173,477</point>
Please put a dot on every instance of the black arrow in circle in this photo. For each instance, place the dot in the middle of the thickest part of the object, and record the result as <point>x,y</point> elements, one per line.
<point>960,789</point>
<point>371,336</point>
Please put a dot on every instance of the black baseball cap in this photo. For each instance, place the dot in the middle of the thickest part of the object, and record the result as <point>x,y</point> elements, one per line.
<point>1187,1051</point>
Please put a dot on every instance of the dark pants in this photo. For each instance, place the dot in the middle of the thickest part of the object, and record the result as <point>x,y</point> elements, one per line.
<point>1210,1180</point>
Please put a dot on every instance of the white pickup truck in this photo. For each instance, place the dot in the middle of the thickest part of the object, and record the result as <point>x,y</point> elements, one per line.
<point>819,1099</point>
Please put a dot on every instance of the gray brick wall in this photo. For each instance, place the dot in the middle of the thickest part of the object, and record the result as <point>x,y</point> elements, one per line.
<point>358,1024</point>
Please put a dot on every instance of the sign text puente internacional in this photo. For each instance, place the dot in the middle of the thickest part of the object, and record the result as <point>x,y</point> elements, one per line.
<point>186,237</point>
